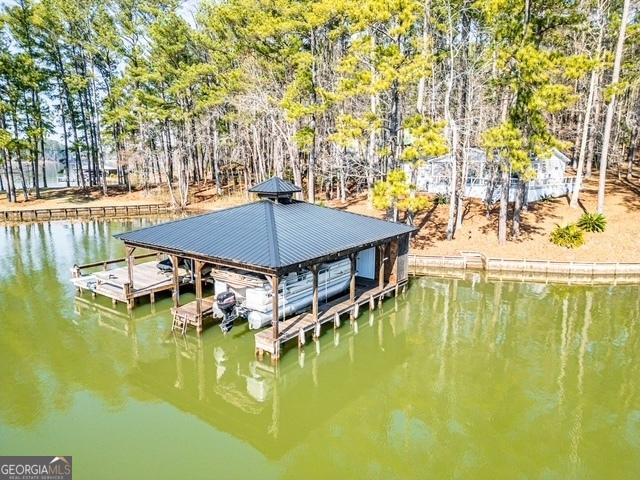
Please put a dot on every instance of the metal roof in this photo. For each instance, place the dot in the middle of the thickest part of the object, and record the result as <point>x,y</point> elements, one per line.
<point>267,235</point>
<point>275,186</point>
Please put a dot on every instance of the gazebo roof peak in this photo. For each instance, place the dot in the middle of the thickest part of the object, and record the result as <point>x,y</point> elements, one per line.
<point>275,187</point>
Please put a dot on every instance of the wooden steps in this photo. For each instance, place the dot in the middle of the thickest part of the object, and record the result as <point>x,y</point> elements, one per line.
<point>187,314</point>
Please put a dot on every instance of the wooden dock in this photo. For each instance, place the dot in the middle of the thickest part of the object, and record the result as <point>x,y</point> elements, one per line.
<point>188,314</point>
<point>298,326</point>
<point>63,213</point>
<point>148,280</point>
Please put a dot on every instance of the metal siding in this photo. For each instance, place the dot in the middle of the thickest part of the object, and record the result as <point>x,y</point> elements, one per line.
<point>366,263</point>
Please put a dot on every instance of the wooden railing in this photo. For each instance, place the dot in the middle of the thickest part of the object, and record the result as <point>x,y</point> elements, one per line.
<point>76,270</point>
<point>62,213</point>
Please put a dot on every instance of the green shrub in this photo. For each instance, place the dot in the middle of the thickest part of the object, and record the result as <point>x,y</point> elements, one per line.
<point>441,199</point>
<point>592,222</point>
<point>570,236</point>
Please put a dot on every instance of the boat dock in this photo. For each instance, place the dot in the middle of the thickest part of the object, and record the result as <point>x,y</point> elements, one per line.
<point>275,242</point>
<point>298,326</point>
<point>128,283</point>
<point>64,213</point>
<point>192,313</point>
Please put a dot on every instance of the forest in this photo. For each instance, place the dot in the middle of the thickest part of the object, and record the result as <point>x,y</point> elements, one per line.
<point>333,94</point>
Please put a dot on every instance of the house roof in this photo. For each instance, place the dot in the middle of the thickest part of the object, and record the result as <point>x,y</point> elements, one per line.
<point>266,235</point>
<point>275,186</point>
<point>478,155</point>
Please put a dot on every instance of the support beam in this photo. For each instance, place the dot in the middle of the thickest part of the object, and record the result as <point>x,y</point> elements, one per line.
<point>352,283</point>
<point>275,317</point>
<point>395,248</point>
<point>314,304</point>
<point>130,263</point>
<point>176,281</point>
<point>381,249</point>
<point>198,281</point>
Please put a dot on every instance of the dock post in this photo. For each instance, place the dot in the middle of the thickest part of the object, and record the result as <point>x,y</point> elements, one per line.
<point>198,280</point>
<point>314,305</point>
<point>128,293</point>
<point>130,263</point>
<point>381,249</point>
<point>352,283</point>
<point>275,316</point>
<point>394,252</point>
<point>176,282</point>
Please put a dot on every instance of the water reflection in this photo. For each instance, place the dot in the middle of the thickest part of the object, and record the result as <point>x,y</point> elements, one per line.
<point>458,376</point>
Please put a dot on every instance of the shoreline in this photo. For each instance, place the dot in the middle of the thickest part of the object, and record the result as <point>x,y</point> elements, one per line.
<point>478,232</point>
<point>525,269</point>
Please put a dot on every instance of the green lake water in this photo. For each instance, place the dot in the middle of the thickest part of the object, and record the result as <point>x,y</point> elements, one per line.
<point>457,379</point>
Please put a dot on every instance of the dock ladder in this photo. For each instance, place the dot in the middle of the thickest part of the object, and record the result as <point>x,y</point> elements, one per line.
<point>179,324</point>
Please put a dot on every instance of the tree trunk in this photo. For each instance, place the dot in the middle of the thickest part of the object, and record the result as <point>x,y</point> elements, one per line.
<point>35,173</point>
<point>453,135</point>
<point>631,153</point>
<point>611,107</point>
<point>517,208</point>
<point>371,147</point>
<point>504,204</point>
<point>575,195</point>
<point>97,130</point>
<point>215,152</point>
<point>463,111</point>
<point>424,51</point>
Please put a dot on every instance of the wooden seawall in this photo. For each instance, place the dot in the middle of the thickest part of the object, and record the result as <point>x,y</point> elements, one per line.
<point>63,213</point>
<point>523,269</point>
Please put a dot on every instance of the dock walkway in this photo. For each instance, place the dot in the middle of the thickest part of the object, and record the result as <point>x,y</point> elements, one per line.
<point>114,283</point>
<point>299,325</point>
<point>63,213</point>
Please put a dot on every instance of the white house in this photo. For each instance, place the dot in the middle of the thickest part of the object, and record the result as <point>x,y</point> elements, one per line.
<point>434,176</point>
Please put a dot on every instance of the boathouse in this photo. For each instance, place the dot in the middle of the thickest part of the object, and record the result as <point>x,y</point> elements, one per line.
<point>277,237</point>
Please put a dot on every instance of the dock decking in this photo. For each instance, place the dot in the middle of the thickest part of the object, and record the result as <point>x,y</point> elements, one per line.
<point>114,283</point>
<point>187,314</point>
<point>298,325</point>
<point>63,213</point>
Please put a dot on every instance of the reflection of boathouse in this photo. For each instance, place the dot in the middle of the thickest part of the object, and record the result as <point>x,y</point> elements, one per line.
<point>345,261</point>
<point>258,403</point>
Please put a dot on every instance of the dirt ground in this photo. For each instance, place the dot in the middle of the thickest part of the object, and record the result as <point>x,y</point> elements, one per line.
<point>93,197</point>
<point>619,243</point>
<point>202,199</point>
